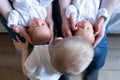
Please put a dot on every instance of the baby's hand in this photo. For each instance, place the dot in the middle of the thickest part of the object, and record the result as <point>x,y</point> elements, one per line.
<point>73,21</point>
<point>16,28</point>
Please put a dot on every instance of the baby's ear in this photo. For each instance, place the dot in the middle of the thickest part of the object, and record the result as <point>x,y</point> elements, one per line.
<point>58,39</point>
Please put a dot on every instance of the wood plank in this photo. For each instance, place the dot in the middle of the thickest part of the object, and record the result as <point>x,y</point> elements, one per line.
<point>78,77</point>
<point>103,75</point>
<point>11,73</point>
<point>112,64</point>
<point>2,29</point>
<point>114,41</point>
<point>5,39</point>
<point>7,50</point>
<point>114,52</point>
<point>10,60</point>
<point>109,75</point>
<point>113,60</point>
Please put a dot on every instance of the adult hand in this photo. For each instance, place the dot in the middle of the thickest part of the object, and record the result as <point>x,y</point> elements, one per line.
<point>69,25</point>
<point>66,27</point>
<point>73,22</point>
<point>99,30</point>
<point>19,44</point>
<point>65,22</point>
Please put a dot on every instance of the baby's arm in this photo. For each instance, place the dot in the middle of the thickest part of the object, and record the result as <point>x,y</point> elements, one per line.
<point>71,14</point>
<point>13,19</point>
<point>24,49</point>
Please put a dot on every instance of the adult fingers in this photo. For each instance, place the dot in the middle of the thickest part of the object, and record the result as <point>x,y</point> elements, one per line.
<point>97,29</point>
<point>98,39</point>
<point>18,39</point>
<point>14,41</point>
<point>72,24</point>
<point>66,31</point>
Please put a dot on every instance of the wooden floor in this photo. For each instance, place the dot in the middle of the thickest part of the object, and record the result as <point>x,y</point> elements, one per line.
<point>10,61</point>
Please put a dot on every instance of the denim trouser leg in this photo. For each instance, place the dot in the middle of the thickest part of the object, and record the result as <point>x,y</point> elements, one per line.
<point>92,71</point>
<point>63,77</point>
<point>100,53</point>
<point>90,74</point>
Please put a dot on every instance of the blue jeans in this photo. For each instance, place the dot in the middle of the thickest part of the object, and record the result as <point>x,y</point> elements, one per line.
<point>92,72</point>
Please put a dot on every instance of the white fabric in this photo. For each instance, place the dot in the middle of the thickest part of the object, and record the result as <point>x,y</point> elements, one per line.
<point>26,10</point>
<point>85,10</point>
<point>102,12</point>
<point>114,26</point>
<point>39,66</point>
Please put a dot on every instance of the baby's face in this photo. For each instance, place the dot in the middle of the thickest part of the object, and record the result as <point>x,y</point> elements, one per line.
<point>85,30</point>
<point>37,24</point>
<point>39,31</point>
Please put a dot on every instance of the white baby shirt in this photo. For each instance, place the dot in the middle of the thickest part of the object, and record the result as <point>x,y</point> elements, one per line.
<point>27,10</point>
<point>39,66</point>
<point>84,9</point>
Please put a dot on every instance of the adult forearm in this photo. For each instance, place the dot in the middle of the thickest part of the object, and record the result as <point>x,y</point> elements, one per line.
<point>5,8</point>
<point>49,18</point>
<point>25,54</point>
<point>49,11</point>
<point>63,5</point>
<point>109,5</point>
